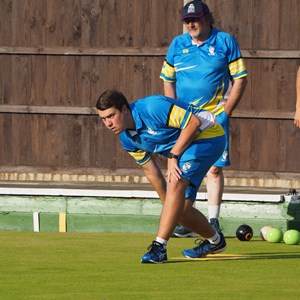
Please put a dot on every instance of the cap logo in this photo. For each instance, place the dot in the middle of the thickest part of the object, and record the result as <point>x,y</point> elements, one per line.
<point>191,9</point>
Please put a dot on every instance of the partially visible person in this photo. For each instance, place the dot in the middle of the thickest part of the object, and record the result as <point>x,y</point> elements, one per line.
<point>192,141</point>
<point>297,114</point>
<point>204,67</point>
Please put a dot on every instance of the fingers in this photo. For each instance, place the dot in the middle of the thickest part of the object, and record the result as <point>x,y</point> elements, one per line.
<point>173,172</point>
<point>172,177</point>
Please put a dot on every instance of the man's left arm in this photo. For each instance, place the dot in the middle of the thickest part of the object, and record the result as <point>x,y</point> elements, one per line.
<point>185,138</point>
<point>235,95</point>
<point>156,178</point>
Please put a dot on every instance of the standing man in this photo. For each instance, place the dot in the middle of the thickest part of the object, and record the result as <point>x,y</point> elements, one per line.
<point>192,141</point>
<point>297,114</point>
<point>204,67</point>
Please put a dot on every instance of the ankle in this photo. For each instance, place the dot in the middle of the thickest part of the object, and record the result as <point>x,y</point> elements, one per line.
<point>215,239</point>
<point>161,241</point>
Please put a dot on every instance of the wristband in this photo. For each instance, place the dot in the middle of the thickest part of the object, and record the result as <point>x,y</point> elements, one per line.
<point>172,155</point>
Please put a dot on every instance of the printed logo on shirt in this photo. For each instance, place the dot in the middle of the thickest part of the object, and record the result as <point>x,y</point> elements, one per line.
<point>185,51</point>
<point>211,50</point>
<point>151,131</point>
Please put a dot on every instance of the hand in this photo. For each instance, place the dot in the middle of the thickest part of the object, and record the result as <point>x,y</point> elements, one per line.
<point>297,118</point>
<point>173,172</point>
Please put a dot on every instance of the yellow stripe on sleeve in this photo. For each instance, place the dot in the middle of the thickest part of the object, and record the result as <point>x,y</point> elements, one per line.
<point>140,156</point>
<point>177,117</point>
<point>167,72</point>
<point>237,67</point>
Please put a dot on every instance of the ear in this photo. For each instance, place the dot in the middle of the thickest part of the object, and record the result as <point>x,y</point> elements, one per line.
<point>124,109</point>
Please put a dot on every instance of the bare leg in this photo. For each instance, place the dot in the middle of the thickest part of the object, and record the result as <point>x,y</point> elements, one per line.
<point>172,208</point>
<point>194,220</point>
<point>215,188</point>
<point>177,209</point>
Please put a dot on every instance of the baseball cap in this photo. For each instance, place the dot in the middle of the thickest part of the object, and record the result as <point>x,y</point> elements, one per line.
<point>194,9</point>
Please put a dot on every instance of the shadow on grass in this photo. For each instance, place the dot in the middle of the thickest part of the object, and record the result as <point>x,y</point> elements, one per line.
<point>252,256</point>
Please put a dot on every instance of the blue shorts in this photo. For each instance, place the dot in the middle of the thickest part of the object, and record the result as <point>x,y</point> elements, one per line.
<point>197,160</point>
<point>224,160</point>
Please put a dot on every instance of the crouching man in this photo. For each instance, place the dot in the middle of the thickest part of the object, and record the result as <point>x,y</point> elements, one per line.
<point>192,141</point>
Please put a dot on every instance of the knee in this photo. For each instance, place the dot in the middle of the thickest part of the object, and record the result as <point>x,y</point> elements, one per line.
<point>214,172</point>
<point>177,186</point>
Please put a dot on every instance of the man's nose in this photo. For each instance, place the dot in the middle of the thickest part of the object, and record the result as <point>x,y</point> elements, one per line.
<point>108,123</point>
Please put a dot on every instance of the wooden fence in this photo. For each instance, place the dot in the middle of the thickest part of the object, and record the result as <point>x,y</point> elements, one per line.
<point>56,57</point>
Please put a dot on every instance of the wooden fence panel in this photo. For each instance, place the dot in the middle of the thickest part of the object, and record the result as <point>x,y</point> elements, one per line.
<point>6,22</point>
<point>6,146</point>
<point>264,145</point>
<point>85,23</point>
<point>289,25</point>
<point>234,17</point>
<point>271,85</point>
<point>259,24</point>
<point>55,141</point>
<point>82,141</point>
<point>37,22</point>
<point>64,80</point>
<point>56,57</point>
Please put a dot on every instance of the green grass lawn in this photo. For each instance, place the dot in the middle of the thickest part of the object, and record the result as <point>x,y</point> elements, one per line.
<point>107,266</point>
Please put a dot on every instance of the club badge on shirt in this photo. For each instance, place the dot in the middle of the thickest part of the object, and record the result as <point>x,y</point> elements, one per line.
<point>151,131</point>
<point>211,50</point>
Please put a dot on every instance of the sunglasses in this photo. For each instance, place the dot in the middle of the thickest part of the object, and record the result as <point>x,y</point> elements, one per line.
<point>190,20</point>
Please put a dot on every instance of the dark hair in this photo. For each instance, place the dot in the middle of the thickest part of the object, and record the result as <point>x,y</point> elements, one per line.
<point>111,98</point>
<point>210,18</point>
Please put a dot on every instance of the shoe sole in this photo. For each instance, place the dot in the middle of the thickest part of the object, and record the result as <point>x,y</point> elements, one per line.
<point>185,235</point>
<point>218,251</point>
<point>158,262</point>
<point>153,262</point>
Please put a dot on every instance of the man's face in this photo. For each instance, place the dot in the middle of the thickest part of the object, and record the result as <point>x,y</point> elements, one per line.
<point>113,119</point>
<point>197,27</point>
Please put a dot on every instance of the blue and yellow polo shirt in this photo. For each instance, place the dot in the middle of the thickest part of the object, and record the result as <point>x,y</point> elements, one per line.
<point>159,121</point>
<point>203,73</point>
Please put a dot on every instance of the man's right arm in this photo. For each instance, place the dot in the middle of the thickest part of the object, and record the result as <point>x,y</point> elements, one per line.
<point>156,178</point>
<point>170,89</point>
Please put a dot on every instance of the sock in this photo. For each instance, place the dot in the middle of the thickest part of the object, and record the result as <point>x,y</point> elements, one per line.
<point>215,239</point>
<point>213,211</point>
<point>161,241</point>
